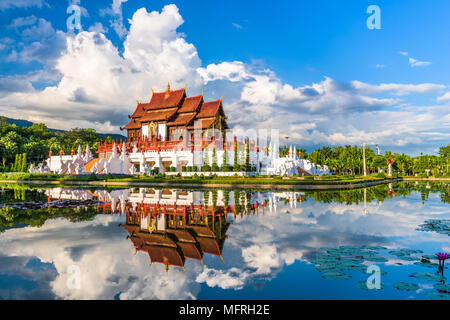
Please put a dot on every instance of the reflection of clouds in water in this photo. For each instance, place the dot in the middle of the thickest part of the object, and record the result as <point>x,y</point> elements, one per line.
<point>268,242</point>
<point>257,248</point>
<point>233,278</point>
<point>31,278</point>
<point>106,259</point>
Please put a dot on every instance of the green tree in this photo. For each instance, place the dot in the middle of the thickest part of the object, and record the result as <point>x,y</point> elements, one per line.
<point>236,166</point>
<point>247,156</point>
<point>23,164</point>
<point>214,166</point>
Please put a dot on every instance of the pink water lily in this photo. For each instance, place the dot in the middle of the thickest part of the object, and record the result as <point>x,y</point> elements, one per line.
<point>442,256</point>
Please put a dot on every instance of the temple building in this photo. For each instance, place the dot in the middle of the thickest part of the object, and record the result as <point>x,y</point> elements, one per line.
<point>170,113</point>
<point>178,135</point>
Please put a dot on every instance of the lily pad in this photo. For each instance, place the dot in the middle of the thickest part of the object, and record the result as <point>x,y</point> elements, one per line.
<point>375,248</point>
<point>410,251</point>
<point>438,296</point>
<point>435,225</point>
<point>397,253</point>
<point>376,259</point>
<point>442,287</point>
<point>352,267</point>
<point>406,286</point>
<point>408,258</point>
<point>351,260</point>
<point>427,276</point>
<point>336,276</point>
<point>366,253</point>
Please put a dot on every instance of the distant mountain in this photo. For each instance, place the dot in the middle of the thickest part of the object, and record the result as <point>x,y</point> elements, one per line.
<point>26,124</point>
<point>19,123</point>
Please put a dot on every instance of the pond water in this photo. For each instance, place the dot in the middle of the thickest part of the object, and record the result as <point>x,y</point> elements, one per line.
<point>146,243</point>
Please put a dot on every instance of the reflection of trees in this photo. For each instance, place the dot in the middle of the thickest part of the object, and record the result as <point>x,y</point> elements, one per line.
<point>381,192</point>
<point>16,192</point>
<point>348,197</point>
<point>37,217</point>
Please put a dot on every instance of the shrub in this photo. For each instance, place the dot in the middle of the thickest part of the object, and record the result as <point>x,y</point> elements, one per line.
<point>380,175</point>
<point>215,167</point>
<point>184,169</point>
<point>227,168</point>
<point>206,168</point>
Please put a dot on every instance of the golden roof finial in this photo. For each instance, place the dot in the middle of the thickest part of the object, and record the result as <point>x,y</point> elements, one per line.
<point>152,90</point>
<point>185,86</point>
<point>221,97</point>
<point>137,101</point>
<point>203,92</point>
<point>168,86</point>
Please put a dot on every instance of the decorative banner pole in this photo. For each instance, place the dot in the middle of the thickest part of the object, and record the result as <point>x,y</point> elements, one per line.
<point>364,159</point>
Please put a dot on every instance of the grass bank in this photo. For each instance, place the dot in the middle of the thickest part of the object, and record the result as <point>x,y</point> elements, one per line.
<point>248,182</point>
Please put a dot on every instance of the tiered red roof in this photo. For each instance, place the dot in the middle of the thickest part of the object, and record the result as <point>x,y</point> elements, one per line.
<point>138,112</point>
<point>175,109</point>
<point>133,124</point>
<point>191,104</point>
<point>166,99</point>
<point>209,109</point>
<point>158,115</point>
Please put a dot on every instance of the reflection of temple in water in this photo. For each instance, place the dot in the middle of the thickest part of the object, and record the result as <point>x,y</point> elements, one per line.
<point>174,225</point>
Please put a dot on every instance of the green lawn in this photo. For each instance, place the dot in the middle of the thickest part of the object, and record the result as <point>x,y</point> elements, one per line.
<point>262,180</point>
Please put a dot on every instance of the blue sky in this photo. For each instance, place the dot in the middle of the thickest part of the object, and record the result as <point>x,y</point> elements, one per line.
<point>309,68</point>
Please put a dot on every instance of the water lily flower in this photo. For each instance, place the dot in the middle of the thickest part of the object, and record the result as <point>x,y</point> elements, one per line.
<point>442,256</point>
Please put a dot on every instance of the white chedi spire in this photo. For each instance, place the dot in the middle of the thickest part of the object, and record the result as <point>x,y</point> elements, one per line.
<point>123,151</point>
<point>290,152</point>
<point>88,154</point>
<point>114,151</point>
<point>294,154</point>
<point>79,152</point>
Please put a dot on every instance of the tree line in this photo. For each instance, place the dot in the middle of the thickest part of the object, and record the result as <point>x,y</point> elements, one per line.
<point>21,146</point>
<point>349,160</point>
